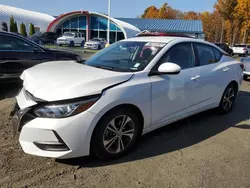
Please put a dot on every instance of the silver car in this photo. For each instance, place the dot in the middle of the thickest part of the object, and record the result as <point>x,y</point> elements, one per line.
<point>246,62</point>
<point>95,43</point>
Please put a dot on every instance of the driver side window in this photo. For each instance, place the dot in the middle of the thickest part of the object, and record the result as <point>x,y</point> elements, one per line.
<point>15,44</point>
<point>180,54</point>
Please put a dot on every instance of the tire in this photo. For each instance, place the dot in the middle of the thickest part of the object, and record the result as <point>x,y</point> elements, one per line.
<point>104,131</point>
<point>245,77</point>
<point>82,44</point>
<point>71,44</point>
<point>230,93</point>
<point>99,47</point>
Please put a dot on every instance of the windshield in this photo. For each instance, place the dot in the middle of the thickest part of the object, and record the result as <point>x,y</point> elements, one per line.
<point>126,56</point>
<point>68,34</point>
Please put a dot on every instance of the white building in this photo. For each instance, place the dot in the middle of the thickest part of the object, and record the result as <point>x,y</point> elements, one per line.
<point>40,20</point>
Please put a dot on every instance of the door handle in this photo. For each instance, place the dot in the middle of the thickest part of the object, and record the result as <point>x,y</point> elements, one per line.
<point>195,77</point>
<point>226,69</point>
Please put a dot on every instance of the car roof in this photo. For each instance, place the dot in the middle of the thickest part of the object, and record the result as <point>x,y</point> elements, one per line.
<point>165,39</point>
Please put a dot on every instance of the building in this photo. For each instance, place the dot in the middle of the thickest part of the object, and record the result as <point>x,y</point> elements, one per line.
<point>40,20</point>
<point>193,28</point>
<point>92,24</point>
<point>95,25</point>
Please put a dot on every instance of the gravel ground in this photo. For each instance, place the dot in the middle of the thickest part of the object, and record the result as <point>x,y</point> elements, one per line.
<point>203,151</point>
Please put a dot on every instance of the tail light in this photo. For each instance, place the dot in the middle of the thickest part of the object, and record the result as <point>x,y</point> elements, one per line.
<point>245,49</point>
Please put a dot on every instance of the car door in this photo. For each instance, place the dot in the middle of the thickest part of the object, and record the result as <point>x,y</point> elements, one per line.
<point>19,54</point>
<point>174,96</point>
<point>213,73</point>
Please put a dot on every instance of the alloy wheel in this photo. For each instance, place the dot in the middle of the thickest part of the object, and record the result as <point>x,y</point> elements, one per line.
<point>228,99</point>
<point>118,134</point>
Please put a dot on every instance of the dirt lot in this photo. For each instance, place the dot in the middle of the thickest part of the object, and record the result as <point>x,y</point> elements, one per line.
<point>204,151</point>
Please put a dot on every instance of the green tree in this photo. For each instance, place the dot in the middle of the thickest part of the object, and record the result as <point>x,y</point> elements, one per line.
<point>15,28</point>
<point>23,29</point>
<point>4,26</point>
<point>32,29</point>
<point>12,24</point>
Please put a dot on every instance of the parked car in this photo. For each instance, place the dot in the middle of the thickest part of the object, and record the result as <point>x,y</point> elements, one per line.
<point>240,49</point>
<point>95,43</point>
<point>71,39</point>
<point>105,104</point>
<point>18,53</point>
<point>44,38</point>
<point>246,63</point>
<point>248,49</point>
<point>225,47</point>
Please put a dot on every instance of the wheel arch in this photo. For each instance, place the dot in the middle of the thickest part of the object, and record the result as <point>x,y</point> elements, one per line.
<point>129,106</point>
<point>236,85</point>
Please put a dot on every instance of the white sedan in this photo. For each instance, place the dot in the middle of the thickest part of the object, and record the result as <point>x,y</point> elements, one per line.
<point>134,86</point>
<point>95,43</point>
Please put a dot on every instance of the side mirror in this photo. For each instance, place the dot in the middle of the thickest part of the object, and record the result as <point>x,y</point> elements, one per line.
<point>169,68</point>
<point>36,49</point>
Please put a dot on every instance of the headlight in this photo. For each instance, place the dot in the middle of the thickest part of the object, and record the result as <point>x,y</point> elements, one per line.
<point>63,111</point>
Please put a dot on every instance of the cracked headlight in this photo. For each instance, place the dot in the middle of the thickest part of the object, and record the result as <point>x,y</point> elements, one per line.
<point>65,110</point>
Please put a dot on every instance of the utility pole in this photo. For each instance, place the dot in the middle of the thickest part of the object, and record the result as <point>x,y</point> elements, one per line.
<point>108,31</point>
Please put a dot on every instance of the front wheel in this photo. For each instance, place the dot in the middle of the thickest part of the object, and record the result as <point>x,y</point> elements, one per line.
<point>228,99</point>
<point>116,134</point>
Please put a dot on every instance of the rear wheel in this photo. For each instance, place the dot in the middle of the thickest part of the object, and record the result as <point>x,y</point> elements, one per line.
<point>116,134</point>
<point>228,99</point>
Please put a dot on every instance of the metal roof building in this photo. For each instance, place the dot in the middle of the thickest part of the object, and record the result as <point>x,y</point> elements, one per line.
<point>40,20</point>
<point>191,27</point>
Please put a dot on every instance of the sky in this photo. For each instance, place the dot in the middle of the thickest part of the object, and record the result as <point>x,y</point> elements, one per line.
<point>119,8</point>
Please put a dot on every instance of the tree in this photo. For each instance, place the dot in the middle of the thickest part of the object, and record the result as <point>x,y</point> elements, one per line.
<point>4,26</point>
<point>242,15</point>
<point>226,8</point>
<point>15,28</point>
<point>32,29</point>
<point>12,24</point>
<point>163,11</point>
<point>191,15</point>
<point>23,29</point>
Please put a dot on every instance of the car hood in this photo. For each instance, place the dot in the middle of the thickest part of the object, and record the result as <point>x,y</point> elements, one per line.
<point>54,81</point>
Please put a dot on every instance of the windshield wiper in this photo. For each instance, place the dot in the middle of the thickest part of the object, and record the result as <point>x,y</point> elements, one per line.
<point>103,67</point>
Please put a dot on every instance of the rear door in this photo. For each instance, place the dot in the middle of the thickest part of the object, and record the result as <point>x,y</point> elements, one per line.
<point>214,73</point>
